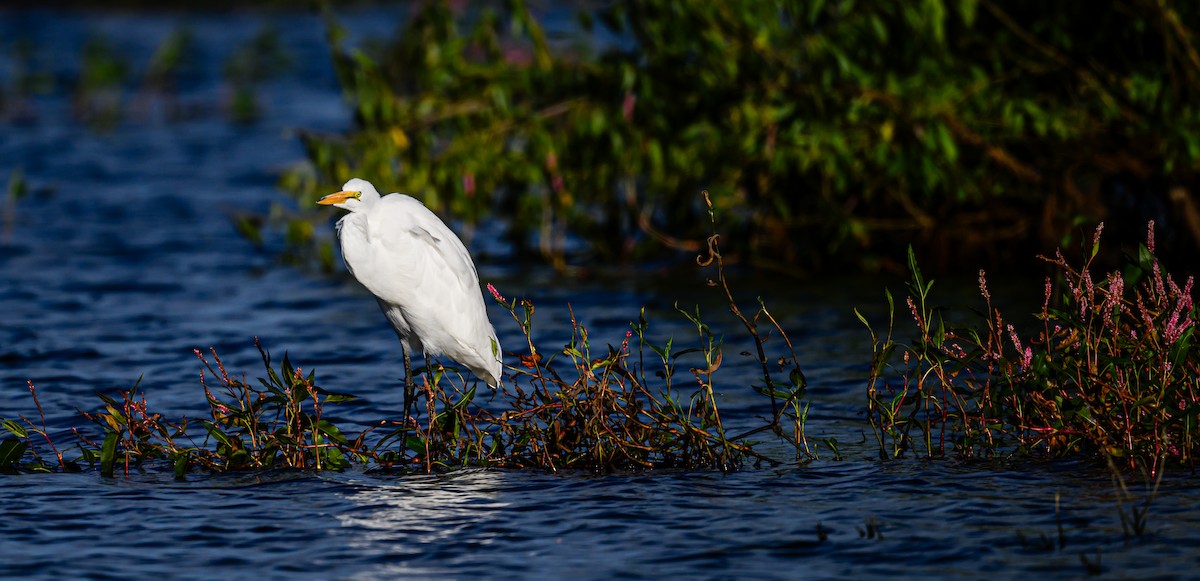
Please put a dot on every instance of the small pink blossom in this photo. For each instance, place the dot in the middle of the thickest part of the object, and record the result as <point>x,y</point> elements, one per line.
<point>627,106</point>
<point>1183,308</point>
<point>1096,236</point>
<point>1026,352</point>
<point>912,308</point>
<point>495,293</point>
<point>1158,281</point>
<point>1116,291</point>
<point>1085,298</point>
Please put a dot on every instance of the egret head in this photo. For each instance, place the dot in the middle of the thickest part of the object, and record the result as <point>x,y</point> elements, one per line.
<point>356,194</point>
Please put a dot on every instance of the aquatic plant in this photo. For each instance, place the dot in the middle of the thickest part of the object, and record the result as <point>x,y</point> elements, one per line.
<point>106,79</point>
<point>276,423</point>
<point>17,188</point>
<point>584,407</point>
<point>23,436</point>
<point>617,407</point>
<point>829,142</point>
<point>97,99</point>
<point>587,405</point>
<point>1114,370</point>
<point>256,61</point>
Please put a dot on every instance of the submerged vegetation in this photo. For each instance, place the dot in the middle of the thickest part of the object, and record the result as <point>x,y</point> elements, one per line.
<point>585,405</point>
<point>1112,372</point>
<point>825,141</point>
<point>106,87</point>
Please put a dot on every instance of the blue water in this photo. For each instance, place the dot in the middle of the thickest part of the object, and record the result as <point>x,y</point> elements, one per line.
<point>123,259</point>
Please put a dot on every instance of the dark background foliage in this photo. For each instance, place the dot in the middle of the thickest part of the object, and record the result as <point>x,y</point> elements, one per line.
<point>830,134</point>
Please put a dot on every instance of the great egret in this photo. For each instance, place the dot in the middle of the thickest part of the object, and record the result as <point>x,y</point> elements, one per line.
<point>422,276</point>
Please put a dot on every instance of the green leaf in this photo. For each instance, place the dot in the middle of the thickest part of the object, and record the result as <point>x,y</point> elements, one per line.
<point>797,378</point>
<point>332,431</point>
<point>215,431</point>
<point>289,374</point>
<point>946,142</point>
<point>331,397</point>
<point>465,399</point>
<point>14,428</point>
<point>11,451</point>
<point>918,285</point>
<point>1145,258</point>
<point>181,465</point>
<point>108,454</point>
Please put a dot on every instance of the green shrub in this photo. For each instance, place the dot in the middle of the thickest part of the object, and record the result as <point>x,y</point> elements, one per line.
<point>831,133</point>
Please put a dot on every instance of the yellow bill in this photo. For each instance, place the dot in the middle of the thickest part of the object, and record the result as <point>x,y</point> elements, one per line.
<point>338,197</point>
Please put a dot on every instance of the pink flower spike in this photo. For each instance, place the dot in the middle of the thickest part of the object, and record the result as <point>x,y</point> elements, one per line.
<point>495,293</point>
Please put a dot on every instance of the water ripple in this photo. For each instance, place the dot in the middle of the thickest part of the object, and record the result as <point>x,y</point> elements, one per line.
<point>148,267</point>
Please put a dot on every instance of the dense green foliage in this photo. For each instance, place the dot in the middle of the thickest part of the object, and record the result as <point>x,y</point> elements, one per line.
<point>830,133</point>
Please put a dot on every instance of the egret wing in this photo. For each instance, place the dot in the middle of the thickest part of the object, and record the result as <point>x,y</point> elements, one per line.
<point>421,268</point>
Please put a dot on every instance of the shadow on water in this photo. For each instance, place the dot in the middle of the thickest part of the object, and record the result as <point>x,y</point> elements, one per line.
<point>122,259</point>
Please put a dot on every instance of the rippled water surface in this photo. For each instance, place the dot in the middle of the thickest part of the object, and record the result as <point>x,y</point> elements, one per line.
<point>123,259</point>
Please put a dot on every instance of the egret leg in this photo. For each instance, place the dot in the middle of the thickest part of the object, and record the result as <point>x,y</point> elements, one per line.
<point>410,393</point>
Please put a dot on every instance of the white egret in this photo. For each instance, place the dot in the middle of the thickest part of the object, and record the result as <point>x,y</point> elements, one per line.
<point>422,276</point>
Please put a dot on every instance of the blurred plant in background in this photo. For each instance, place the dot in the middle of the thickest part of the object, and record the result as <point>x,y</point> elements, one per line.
<point>259,60</point>
<point>834,132</point>
<point>17,189</point>
<point>98,92</point>
<point>110,85</point>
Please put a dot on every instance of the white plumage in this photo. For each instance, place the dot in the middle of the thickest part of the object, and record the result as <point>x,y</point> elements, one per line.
<point>422,276</point>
